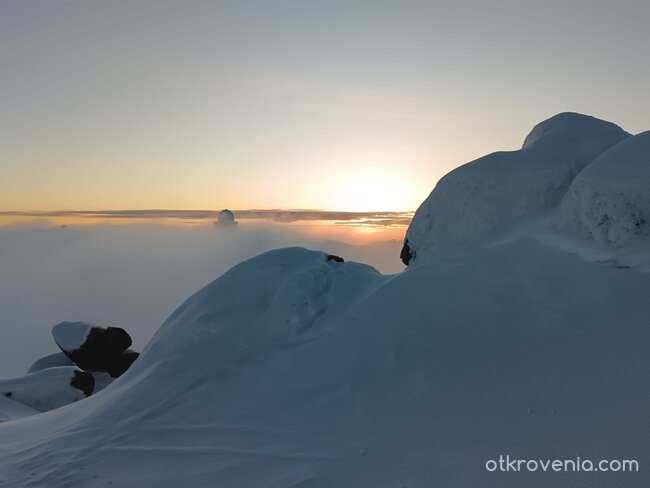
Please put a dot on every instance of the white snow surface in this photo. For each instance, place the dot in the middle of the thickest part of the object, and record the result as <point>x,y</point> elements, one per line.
<point>290,370</point>
<point>11,410</point>
<point>609,201</point>
<point>50,361</point>
<point>102,380</point>
<point>43,390</point>
<point>70,336</point>
<point>496,192</point>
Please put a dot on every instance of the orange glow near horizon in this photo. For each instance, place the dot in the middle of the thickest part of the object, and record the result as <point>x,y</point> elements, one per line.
<point>354,232</point>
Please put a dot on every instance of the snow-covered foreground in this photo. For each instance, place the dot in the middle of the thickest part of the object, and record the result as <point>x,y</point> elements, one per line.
<point>295,370</point>
<point>291,370</point>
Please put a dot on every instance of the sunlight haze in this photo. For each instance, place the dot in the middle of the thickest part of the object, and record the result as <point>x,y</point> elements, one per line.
<point>205,105</point>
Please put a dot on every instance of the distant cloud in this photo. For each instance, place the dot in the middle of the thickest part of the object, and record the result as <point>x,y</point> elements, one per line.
<point>383,219</point>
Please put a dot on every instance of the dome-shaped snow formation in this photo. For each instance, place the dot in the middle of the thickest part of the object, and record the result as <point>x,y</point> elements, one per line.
<point>609,201</point>
<point>575,134</point>
<point>286,291</point>
<point>495,191</point>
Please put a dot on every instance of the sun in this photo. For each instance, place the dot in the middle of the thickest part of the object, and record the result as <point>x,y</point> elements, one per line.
<point>369,191</point>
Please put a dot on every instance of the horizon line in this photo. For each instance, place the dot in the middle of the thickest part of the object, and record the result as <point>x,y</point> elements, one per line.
<point>381,218</point>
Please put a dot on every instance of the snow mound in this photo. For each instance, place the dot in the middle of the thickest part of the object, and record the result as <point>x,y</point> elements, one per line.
<point>609,201</point>
<point>492,193</point>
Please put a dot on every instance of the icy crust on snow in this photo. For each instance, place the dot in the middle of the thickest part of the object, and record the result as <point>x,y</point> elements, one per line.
<point>609,201</point>
<point>494,192</point>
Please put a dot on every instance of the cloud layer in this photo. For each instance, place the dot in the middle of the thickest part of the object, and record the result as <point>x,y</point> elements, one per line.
<point>132,276</point>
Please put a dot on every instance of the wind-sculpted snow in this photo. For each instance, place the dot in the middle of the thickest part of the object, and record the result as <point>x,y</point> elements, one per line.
<point>609,201</point>
<point>493,193</point>
<point>295,370</point>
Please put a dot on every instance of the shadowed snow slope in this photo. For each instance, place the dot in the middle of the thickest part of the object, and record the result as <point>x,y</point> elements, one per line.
<point>609,201</point>
<point>294,371</point>
<point>492,193</point>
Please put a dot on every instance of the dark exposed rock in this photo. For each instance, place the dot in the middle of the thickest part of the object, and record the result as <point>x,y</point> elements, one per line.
<point>95,348</point>
<point>406,253</point>
<point>121,363</point>
<point>338,259</point>
<point>83,381</point>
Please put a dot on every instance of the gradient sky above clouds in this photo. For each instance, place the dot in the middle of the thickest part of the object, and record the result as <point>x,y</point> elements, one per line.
<point>341,105</point>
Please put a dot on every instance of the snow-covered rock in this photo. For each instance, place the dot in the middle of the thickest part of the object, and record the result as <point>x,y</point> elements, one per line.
<point>492,193</point>
<point>95,348</point>
<point>609,200</point>
<point>50,361</point>
<point>48,388</point>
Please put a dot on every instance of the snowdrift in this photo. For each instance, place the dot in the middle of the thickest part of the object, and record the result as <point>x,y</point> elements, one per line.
<point>294,369</point>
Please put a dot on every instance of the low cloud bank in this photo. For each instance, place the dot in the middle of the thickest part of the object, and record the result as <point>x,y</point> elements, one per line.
<point>367,218</point>
<point>132,276</point>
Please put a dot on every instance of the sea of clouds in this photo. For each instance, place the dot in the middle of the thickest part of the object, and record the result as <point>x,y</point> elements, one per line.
<point>132,276</point>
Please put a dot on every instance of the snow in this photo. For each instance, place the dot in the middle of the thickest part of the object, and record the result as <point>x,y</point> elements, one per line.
<point>102,380</point>
<point>295,370</point>
<point>493,194</point>
<point>43,390</point>
<point>291,370</point>
<point>11,410</point>
<point>609,201</point>
<point>70,336</point>
<point>50,361</point>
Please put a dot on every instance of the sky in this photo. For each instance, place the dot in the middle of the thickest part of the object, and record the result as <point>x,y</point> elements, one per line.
<point>338,105</point>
